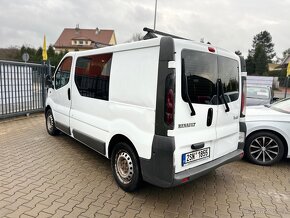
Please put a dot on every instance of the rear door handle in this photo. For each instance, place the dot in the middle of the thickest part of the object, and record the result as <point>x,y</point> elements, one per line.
<point>68,93</point>
<point>197,146</point>
<point>209,117</point>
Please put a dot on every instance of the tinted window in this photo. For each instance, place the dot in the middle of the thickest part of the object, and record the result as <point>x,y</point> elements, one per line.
<point>92,76</point>
<point>199,70</point>
<point>229,75</point>
<point>63,73</point>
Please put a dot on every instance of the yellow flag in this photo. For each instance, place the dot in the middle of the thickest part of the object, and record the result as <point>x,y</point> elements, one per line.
<point>44,52</point>
<point>288,69</point>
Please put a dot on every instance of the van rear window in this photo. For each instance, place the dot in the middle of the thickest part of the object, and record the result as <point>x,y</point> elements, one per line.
<point>201,71</point>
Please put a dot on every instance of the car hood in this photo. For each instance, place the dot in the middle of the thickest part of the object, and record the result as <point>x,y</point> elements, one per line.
<point>262,113</point>
<point>257,101</point>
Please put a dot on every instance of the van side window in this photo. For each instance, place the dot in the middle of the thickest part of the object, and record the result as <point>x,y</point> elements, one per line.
<point>200,71</point>
<point>92,75</point>
<point>63,73</point>
<point>229,75</point>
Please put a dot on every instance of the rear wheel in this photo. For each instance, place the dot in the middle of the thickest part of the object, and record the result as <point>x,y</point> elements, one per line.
<point>264,148</point>
<point>50,124</point>
<point>125,167</point>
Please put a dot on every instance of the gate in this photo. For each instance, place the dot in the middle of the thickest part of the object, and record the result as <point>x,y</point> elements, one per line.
<point>22,88</point>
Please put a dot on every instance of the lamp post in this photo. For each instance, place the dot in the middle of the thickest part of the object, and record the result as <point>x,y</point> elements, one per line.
<point>155,14</point>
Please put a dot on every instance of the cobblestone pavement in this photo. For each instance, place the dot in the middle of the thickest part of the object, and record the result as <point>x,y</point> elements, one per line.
<point>45,176</point>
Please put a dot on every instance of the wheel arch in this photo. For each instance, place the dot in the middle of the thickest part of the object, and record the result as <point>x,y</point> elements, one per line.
<point>284,141</point>
<point>120,138</point>
<point>47,108</point>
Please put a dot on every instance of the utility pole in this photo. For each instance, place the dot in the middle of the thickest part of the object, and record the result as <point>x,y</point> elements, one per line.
<point>155,14</point>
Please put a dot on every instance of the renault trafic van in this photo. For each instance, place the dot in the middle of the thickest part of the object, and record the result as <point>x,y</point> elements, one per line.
<point>156,108</point>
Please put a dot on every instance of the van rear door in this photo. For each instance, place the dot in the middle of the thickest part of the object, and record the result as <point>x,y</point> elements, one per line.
<point>227,126</point>
<point>195,135</point>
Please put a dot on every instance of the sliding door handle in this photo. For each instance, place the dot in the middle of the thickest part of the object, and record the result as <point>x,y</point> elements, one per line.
<point>68,93</point>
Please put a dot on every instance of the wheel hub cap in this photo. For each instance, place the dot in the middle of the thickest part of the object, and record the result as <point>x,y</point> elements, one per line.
<point>124,167</point>
<point>264,149</point>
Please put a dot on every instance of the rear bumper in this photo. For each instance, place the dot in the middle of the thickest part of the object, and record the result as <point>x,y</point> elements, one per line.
<point>203,169</point>
<point>159,170</point>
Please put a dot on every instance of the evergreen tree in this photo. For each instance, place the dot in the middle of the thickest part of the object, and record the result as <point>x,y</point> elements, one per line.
<point>250,65</point>
<point>264,38</point>
<point>260,60</point>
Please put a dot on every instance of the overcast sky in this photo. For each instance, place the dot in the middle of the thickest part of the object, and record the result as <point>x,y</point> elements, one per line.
<point>230,24</point>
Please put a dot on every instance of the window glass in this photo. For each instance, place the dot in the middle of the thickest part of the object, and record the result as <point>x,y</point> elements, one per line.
<point>258,92</point>
<point>92,76</point>
<point>229,75</point>
<point>199,70</point>
<point>63,73</point>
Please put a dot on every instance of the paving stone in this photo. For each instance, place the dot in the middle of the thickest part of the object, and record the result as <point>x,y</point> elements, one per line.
<point>44,176</point>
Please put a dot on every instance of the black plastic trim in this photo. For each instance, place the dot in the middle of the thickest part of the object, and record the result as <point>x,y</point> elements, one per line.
<point>166,54</point>
<point>243,128</point>
<point>62,127</point>
<point>93,143</point>
<point>159,170</point>
<point>197,146</point>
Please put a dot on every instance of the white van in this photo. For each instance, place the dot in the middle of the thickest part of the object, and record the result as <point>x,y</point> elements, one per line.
<point>156,108</point>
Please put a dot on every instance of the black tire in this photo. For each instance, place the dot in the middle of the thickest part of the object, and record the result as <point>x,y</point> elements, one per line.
<point>125,167</point>
<point>50,124</point>
<point>264,148</point>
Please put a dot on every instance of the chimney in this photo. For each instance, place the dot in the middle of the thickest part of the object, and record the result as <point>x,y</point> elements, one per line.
<point>77,28</point>
<point>97,31</point>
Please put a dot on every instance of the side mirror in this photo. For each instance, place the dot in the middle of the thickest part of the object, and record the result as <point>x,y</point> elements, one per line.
<point>48,82</point>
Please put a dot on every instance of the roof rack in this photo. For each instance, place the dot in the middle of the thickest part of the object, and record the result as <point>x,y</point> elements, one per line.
<point>151,34</point>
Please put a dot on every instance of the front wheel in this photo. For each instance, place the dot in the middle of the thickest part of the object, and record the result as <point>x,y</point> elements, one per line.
<point>264,148</point>
<point>50,124</point>
<point>125,167</point>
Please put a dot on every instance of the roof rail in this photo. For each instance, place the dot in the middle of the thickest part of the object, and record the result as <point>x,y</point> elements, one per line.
<point>151,34</point>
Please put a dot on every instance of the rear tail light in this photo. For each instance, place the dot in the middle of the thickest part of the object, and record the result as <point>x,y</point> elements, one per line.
<point>211,49</point>
<point>169,111</point>
<point>185,180</point>
<point>169,100</point>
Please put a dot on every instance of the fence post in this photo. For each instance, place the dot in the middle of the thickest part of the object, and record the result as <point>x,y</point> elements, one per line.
<point>44,69</point>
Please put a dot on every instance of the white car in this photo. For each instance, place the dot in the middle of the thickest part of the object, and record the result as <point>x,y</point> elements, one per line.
<point>268,133</point>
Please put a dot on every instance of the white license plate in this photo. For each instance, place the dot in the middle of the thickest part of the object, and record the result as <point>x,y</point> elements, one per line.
<point>195,155</point>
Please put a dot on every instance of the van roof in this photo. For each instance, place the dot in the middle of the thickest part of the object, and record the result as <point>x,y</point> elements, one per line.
<point>147,43</point>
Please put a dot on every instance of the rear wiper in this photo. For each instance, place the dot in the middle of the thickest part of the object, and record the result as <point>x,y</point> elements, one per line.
<point>223,95</point>
<point>186,89</point>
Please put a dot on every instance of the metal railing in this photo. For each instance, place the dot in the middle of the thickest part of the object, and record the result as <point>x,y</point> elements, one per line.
<point>22,88</point>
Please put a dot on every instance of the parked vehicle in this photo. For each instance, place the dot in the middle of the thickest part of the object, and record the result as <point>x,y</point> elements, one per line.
<point>268,133</point>
<point>259,95</point>
<point>146,106</point>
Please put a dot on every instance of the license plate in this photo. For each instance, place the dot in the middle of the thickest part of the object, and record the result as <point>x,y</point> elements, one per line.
<point>195,155</point>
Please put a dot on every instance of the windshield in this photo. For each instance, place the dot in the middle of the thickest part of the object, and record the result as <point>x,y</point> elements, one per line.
<point>282,106</point>
<point>258,92</point>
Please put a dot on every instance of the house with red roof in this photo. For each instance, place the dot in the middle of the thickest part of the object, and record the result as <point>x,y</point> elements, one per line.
<point>76,39</point>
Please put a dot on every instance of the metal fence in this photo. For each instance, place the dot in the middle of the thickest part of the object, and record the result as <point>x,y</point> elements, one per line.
<point>22,88</point>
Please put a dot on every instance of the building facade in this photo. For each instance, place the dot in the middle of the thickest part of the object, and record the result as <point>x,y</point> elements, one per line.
<point>76,39</point>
